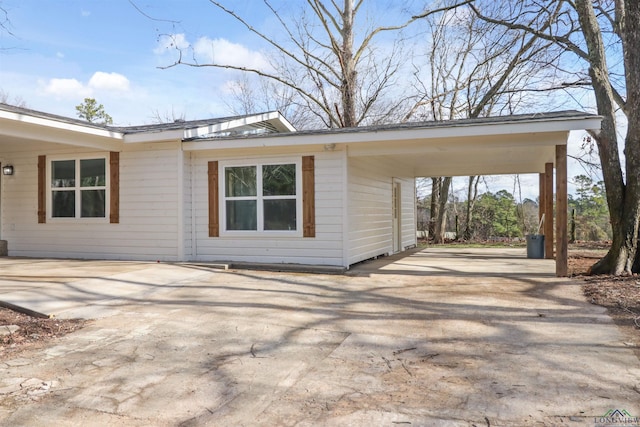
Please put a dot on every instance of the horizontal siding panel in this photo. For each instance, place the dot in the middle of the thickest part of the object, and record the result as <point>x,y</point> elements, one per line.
<point>148,227</point>
<point>311,260</point>
<point>251,244</point>
<point>140,254</point>
<point>370,210</point>
<point>325,249</point>
<point>235,253</point>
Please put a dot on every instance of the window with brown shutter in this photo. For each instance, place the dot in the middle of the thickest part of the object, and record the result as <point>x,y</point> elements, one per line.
<point>114,194</point>
<point>42,195</point>
<point>268,198</point>
<point>214,221</point>
<point>308,197</point>
<point>79,187</point>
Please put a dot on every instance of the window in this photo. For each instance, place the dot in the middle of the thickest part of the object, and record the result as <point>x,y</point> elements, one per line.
<point>262,197</point>
<point>78,188</point>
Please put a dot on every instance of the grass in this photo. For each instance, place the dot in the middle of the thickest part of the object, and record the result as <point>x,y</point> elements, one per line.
<point>463,245</point>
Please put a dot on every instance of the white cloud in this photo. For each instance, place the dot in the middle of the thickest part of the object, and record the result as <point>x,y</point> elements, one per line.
<point>222,51</point>
<point>84,12</point>
<point>109,81</point>
<point>106,83</point>
<point>207,51</point>
<point>66,88</point>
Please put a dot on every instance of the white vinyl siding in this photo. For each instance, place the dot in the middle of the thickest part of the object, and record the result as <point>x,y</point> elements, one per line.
<point>148,228</point>
<point>324,249</point>
<point>370,208</point>
<point>164,209</point>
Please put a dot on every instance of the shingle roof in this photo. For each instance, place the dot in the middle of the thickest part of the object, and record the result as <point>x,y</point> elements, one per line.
<point>193,124</point>
<point>555,115</point>
<point>157,127</point>
<point>516,118</point>
<point>177,125</point>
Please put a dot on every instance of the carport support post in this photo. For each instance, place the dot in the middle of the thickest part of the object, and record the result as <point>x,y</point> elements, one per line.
<point>547,203</point>
<point>562,241</point>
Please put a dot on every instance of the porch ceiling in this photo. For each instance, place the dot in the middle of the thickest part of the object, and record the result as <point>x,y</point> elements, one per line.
<point>471,155</point>
<point>20,132</point>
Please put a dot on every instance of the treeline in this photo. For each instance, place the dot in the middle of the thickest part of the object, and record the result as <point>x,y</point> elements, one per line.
<point>499,216</point>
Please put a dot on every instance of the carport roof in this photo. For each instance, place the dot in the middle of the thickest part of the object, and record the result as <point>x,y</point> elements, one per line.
<point>483,146</point>
<point>559,118</point>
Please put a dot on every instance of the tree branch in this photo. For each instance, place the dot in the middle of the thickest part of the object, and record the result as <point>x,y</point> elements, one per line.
<point>561,40</point>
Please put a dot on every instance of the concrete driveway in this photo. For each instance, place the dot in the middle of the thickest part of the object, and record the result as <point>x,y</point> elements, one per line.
<point>442,337</point>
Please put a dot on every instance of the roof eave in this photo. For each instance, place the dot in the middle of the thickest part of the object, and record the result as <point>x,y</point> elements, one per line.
<point>274,118</point>
<point>556,124</point>
<point>36,121</point>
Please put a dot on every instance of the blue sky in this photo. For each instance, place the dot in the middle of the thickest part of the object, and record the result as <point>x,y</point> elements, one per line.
<point>64,50</point>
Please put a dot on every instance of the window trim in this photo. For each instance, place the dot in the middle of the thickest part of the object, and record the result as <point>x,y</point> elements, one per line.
<point>260,232</point>
<point>107,188</point>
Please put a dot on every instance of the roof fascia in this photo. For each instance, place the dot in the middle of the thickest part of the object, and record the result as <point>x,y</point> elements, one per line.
<point>55,136</point>
<point>424,133</point>
<point>275,118</point>
<point>57,124</point>
<point>453,145</point>
<point>154,136</point>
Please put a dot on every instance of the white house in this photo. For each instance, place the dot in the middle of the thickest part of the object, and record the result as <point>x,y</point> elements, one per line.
<point>251,188</point>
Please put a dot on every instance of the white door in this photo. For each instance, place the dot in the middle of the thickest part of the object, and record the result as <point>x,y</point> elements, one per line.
<point>396,204</point>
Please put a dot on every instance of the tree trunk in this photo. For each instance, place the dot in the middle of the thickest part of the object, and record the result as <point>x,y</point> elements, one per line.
<point>348,64</point>
<point>472,195</point>
<point>622,200</point>
<point>441,220</point>
<point>436,183</point>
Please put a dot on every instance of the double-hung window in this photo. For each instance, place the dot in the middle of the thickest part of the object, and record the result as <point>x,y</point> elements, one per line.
<point>78,188</point>
<point>262,197</point>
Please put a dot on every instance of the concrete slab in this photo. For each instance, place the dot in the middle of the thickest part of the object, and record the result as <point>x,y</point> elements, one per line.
<point>436,338</point>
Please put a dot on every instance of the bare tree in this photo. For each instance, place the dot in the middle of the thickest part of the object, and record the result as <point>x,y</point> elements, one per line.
<point>474,69</point>
<point>249,95</point>
<point>167,116</point>
<point>4,20</point>
<point>328,60</point>
<point>5,24</point>
<point>472,197</point>
<point>594,33</point>
<point>6,98</point>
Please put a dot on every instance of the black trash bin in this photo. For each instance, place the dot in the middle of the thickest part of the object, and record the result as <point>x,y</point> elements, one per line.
<point>535,246</point>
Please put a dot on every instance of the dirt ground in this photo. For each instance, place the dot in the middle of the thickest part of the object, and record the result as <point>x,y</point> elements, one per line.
<point>620,295</point>
<point>31,332</point>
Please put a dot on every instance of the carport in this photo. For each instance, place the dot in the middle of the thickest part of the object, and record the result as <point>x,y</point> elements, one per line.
<point>516,144</point>
<point>521,144</point>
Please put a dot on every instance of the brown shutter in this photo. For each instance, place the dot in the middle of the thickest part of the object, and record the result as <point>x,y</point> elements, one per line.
<point>214,221</point>
<point>308,197</point>
<point>114,185</point>
<point>42,195</point>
